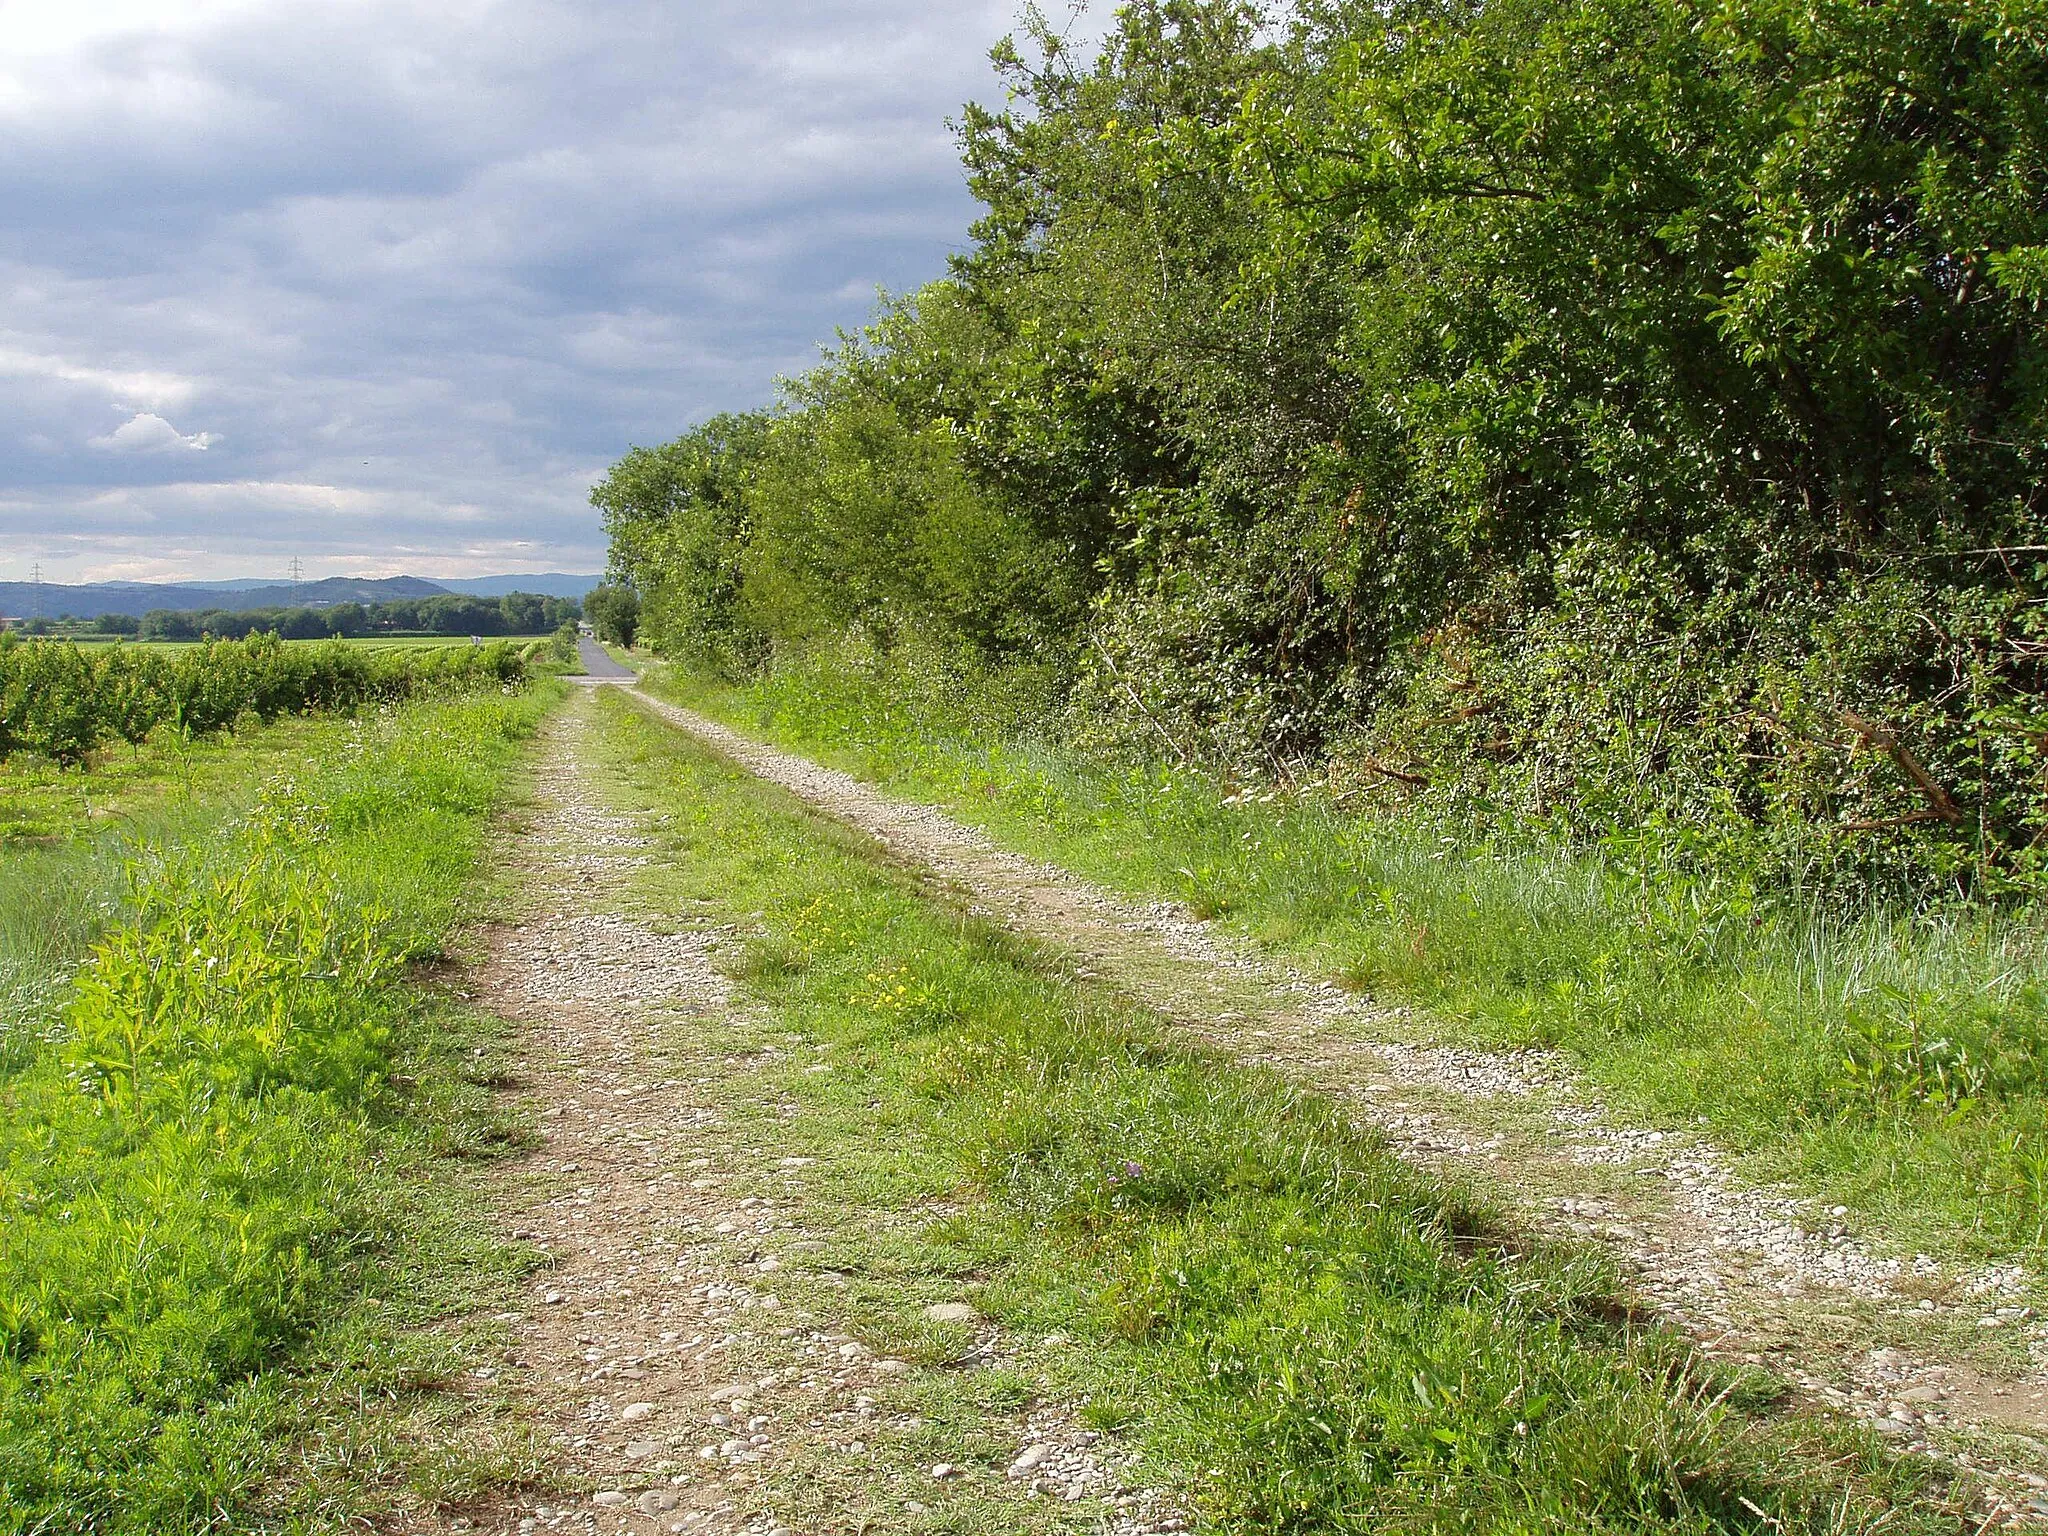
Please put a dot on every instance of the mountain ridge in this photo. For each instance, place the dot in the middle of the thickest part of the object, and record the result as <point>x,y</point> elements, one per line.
<point>23,599</point>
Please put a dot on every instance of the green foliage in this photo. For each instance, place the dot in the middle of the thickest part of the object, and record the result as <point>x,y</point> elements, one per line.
<point>516,613</point>
<point>64,700</point>
<point>677,516</point>
<point>614,612</point>
<point>189,1153</point>
<point>1603,412</point>
<point>867,519</point>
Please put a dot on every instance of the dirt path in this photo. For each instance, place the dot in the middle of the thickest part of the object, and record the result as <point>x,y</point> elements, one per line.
<point>677,1376</point>
<point>1750,1272</point>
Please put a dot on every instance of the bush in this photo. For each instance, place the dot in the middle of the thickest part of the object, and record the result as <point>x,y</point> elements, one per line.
<point>1596,413</point>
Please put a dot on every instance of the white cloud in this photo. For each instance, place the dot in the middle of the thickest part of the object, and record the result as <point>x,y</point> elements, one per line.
<point>140,387</point>
<point>145,432</point>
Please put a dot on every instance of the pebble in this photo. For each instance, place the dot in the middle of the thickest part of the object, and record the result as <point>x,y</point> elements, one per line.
<point>1028,1459</point>
<point>609,1499</point>
<point>945,1471</point>
<point>951,1312</point>
<point>633,1413</point>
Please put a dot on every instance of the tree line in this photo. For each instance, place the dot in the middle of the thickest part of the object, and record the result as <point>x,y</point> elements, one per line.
<point>515,613</point>
<point>1622,417</point>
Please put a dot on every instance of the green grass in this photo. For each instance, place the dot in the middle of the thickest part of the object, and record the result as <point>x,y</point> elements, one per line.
<point>1891,1062</point>
<point>124,789</point>
<point>225,1141</point>
<point>1303,1333</point>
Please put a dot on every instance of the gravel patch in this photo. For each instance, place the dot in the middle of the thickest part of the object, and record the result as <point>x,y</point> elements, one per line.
<point>637,1347</point>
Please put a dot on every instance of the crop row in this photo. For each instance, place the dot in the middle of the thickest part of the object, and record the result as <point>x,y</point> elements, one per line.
<point>63,700</point>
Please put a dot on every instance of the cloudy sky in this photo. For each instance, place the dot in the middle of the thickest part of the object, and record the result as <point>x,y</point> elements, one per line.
<point>383,285</point>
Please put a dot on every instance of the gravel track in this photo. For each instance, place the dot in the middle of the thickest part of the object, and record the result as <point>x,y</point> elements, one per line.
<point>1749,1271</point>
<point>665,1373</point>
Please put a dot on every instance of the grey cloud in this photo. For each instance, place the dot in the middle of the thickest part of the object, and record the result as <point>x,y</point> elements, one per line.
<point>414,273</point>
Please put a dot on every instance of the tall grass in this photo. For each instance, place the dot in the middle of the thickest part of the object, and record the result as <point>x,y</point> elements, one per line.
<point>1891,1060</point>
<point>190,1142</point>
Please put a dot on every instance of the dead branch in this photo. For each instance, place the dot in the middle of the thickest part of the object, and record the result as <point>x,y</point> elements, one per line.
<point>1139,704</point>
<point>1374,765</point>
<point>1944,806</point>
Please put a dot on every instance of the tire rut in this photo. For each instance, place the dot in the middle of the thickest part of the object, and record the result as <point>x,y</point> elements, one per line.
<point>669,1384</point>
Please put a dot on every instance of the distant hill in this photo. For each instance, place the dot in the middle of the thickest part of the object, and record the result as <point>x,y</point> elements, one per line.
<point>21,599</point>
<point>544,583</point>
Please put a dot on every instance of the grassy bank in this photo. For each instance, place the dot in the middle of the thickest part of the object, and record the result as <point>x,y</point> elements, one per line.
<point>1891,1062</point>
<point>219,1134</point>
<point>1302,1332</point>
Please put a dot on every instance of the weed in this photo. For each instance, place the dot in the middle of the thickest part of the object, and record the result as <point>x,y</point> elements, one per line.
<point>205,1153</point>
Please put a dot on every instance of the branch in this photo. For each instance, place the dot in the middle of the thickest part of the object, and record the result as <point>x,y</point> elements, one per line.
<point>1373,764</point>
<point>1944,806</point>
<point>1911,818</point>
<point>1132,694</point>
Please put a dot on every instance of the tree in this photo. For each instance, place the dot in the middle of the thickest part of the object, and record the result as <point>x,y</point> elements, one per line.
<point>522,613</point>
<point>614,612</point>
<point>346,619</point>
<point>678,520</point>
<point>167,624</point>
<point>1608,413</point>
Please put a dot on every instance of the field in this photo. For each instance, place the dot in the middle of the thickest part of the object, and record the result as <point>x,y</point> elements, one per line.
<point>229,1120</point>
<point>392,642</point>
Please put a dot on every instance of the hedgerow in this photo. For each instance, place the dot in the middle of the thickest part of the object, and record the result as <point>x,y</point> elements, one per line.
<point>1624,416</point>
<point>63,700</point>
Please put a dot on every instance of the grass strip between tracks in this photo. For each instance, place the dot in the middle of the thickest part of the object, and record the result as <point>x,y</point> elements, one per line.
<point>219,1153</point>
<point>1302,1332</point>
